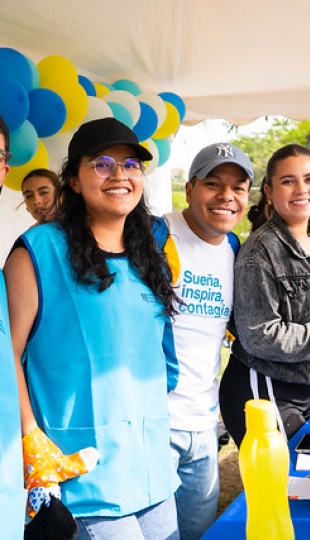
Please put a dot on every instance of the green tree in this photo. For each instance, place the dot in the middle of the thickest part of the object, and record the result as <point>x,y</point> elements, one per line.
<point>260,147</point>
<point>178,200</point>
<point>178,180</point>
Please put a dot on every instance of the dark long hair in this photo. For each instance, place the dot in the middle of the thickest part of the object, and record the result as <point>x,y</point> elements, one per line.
<point>89,261</point>
<point>257,213</point>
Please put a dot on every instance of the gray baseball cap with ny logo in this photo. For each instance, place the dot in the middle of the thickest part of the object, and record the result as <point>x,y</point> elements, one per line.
<point>216,154</point>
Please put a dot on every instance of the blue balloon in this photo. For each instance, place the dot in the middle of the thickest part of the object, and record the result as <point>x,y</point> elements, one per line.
<point>47,111</point>
<point>164,150</point>
<point>147,123</point>
<point>128,86</point>
<point>14,103</point>
<point>23,144</point>
<point>87,85</point>
<point>14,65</point>
<point>175,100</point>
<point>121,113</point>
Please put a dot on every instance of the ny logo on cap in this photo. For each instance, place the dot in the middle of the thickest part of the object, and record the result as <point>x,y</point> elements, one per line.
<point>225,150</point>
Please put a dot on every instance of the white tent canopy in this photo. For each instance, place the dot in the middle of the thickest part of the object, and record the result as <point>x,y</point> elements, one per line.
<point>233,60</point>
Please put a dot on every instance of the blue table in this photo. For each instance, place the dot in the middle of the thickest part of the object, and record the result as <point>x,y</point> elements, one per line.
<point>231,524</point>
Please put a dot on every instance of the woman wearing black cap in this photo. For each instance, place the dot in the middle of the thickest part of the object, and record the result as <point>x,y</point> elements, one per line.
<point>90,298</point>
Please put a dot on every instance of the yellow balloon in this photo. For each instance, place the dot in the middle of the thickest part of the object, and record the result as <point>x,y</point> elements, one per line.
<point>146,144</point>
<point>75,99</point>
<point>16,174</point>
<point>56,68</point>
<point>171,123</point>
<point>101,89</point>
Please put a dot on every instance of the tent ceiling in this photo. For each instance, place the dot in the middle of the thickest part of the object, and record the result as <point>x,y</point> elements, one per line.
<point>234,60</point>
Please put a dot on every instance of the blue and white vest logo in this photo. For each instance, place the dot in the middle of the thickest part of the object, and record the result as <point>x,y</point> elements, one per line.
<point>148,297</point>
<point>225,151</point>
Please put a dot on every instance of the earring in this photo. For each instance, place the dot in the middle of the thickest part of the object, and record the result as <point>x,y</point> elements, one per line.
<point>268,208</point>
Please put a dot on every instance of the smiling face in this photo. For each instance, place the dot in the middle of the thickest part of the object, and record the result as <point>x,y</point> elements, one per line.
<point>39,193</point>
<point>112,198</point>
<point>217,203</point>
<point>289,191</point>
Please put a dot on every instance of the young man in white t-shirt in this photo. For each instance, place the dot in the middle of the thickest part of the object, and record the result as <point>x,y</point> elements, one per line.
<point>201,254</point>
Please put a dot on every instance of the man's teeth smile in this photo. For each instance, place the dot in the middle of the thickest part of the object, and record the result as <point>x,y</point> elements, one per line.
<point>222,211</point>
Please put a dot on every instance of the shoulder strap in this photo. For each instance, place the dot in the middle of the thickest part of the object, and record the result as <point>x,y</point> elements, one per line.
<point>160,231</point>
<point>234,242</point>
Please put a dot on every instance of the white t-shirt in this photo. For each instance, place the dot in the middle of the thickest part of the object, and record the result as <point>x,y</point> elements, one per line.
<point>205,284</point>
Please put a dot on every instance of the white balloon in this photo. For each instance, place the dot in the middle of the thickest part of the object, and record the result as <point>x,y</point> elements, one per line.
<point>158,104</point>
<point>97,108</point>
<point>126,99</point>
<point>154,151</point>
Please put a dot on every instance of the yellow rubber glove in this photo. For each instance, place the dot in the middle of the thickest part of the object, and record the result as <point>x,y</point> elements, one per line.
<point>45,466</point>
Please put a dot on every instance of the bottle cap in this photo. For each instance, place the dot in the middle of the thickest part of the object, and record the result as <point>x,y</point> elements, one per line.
<point>260,415</point>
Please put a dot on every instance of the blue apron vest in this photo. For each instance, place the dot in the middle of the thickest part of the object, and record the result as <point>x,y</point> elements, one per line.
<point>97,377</point>
<point>12,493</point>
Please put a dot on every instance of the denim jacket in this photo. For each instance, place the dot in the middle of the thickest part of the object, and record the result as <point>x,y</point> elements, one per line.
<point>272,304</point>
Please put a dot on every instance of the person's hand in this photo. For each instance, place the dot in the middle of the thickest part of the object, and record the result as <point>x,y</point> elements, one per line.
<point>45,466</point>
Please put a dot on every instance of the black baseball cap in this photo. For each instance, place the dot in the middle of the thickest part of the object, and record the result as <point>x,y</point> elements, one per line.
<point>97,135</point>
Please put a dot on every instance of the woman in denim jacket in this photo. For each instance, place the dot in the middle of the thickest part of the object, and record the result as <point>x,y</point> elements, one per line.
<point>271,354</point>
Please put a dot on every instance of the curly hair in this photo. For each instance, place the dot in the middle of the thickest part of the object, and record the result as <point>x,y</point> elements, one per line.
<point>88,261</point>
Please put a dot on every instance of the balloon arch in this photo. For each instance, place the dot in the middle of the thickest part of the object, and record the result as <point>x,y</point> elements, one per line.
<point>44,104</point>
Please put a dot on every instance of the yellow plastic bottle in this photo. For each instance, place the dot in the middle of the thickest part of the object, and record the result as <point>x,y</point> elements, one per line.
<point>264,468</point>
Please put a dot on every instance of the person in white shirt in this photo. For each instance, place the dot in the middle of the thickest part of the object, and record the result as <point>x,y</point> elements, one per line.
<point>201,252</point>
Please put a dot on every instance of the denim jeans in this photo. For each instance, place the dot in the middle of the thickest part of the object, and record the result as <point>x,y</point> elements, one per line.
<point>195,455</point>
<point>158,522</point>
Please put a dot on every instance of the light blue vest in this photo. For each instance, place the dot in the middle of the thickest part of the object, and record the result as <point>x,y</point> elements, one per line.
<point>12,493</point>
<point>97,377</point>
